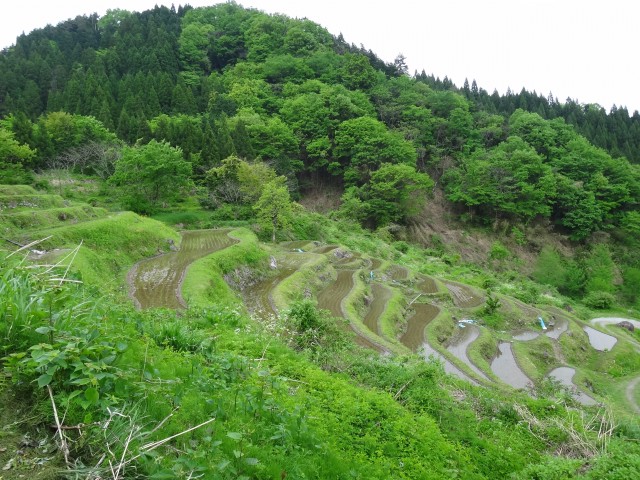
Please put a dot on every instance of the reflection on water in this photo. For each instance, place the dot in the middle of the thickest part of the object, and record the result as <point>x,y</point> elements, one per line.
<point>565,376</point>
<point>506,368</point>
<point>526,336</point>
<point>600,341</point>
<point>459,349</point>
<point>449,367</point>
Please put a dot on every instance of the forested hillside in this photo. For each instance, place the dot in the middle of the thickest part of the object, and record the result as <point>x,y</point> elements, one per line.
<point>359,205</point>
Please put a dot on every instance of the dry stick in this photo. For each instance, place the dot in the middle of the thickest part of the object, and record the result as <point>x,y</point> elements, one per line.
<point>124,452</point>
<point>63,442</point>
<point>151,446</point>
<point>395,397</point>
<point>35,242</point>
<point>75,253</point>
<point>163,421</point>
<point>419,295</point>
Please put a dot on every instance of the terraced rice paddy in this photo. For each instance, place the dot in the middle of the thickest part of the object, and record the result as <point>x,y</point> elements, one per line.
<point>463,296</point>
<point>526,336</point>
<point>603,321</point>
<point>468,335</point>
<point>257,297</point>
<point>381,295</point>
<point>427,285</point>
<point>450,368</point>
<point>397,273</point>
<point>413,338</point>
<point>325,249</point>
<point>506,368</point>
<point>375,264</point>
<point>565,375</point>
<point>331,298</point>
<point>599,340</point>
<point>156,282</point>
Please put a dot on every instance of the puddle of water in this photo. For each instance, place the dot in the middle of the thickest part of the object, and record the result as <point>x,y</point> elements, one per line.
<point>600,341</point>
<point>526,336</point>
<point>565,376</point>
<point>427,351</point>
<point>381,296</point>
<point>506,367</point>
<point>156,282</point>
<point>413,338</point>
<point>459,349</point>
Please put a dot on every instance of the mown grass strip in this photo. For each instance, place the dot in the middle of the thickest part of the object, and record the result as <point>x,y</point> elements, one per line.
<point>204,283</point>
<point>354,308</point>
<point>310,275</point>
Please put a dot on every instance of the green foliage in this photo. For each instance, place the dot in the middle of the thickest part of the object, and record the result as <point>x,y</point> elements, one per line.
<point>151,175</point>
<point>599,269</point>
<point>13,160</point>
<point>314,331</point>
<point>237,181</point>
<point>499,252</point>
<point>631,285</point>
<point>550,269</point>
<point>273,208</point>
<point>362,145</point>
<point>510,178</point>
<point>599,300</point>
<point>394,193</point>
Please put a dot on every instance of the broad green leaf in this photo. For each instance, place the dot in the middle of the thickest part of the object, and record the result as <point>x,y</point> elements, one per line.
<point>91,394</point>
<point>44,380</point>
<point>235,435</point>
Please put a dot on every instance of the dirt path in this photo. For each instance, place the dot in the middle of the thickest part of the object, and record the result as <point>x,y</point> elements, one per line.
<point>156,282</point>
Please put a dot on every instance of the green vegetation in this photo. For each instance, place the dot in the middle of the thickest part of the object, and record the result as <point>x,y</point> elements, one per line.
<point>516,207</point>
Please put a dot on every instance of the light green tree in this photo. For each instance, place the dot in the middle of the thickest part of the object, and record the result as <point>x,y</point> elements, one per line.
<point>151,175</point>
<point>274,209</point>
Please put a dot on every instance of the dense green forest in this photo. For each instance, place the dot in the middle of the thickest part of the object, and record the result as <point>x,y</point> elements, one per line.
<point>322,162</point>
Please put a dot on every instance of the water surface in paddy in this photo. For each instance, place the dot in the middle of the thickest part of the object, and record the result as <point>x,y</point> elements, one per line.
<point>428,351</point>
<point>468,335</point>
<point>506,367</point>
<point>331,299</point>
<point>600,341</point>
<point>156,282</point>
<point>565,376</point>
<point>413,338</point>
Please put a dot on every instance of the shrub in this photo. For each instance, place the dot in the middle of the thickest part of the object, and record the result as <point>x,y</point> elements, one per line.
<point>599,300</point>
